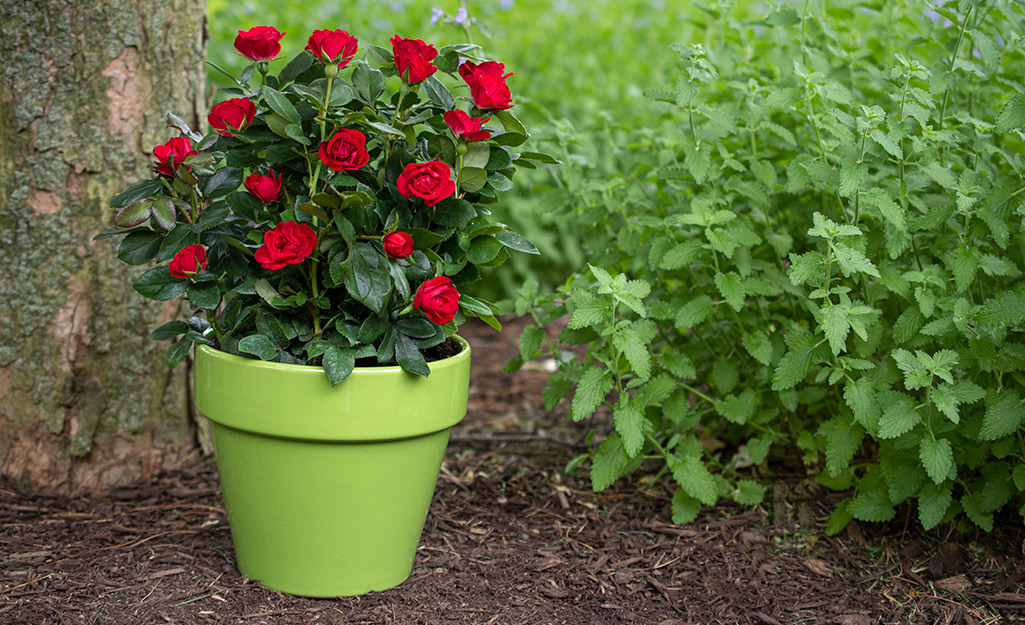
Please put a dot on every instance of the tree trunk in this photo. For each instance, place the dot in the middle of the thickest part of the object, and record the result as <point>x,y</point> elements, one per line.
<point>86,400</point>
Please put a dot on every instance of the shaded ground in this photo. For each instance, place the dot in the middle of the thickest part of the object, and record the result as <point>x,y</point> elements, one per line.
<point>510,540</point>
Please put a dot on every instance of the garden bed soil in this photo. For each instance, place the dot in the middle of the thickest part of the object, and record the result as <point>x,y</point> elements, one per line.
<point>510,539</point>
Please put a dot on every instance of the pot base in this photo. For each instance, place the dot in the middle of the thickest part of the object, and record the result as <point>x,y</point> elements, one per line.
<point>326,519</point>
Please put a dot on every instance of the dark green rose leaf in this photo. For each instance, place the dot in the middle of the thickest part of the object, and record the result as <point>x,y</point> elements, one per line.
<point>134,214</point>
<point>169,330</point>
<point>453,212</point>
<point>211,217</point>
<point>338,363</point>
<point>223,182</point>
<point>408,355</point>
<point>510,123</point>
<point>483,249</point>
<point>174,241</point>
<point>203,295</point>
<point>366,276</point>
<point>159,284</point>
<point>299,64</point>
<point>281,105</point>
<point>499,182</point>
<point>177,352</point>
<point>516,242</point>
<point>472,179</point>
<point>164,213</point>
<point>510,139</point>
<point>438,93</point>
<point>139,247</point>
<point>258,345</point>
<point>136,192</point>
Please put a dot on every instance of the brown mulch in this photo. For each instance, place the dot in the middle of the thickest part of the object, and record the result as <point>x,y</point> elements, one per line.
<point>511,539</point>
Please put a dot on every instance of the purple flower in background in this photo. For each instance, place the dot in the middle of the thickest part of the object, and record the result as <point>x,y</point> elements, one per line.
<point>460,15</point>
<point>436,14</point>
<point>505,4</point>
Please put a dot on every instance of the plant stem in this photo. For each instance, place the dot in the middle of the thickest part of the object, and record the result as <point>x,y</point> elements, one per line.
<point>314,284</point>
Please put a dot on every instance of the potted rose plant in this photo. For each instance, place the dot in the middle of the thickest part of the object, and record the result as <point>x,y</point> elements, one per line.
<point>320,236</point>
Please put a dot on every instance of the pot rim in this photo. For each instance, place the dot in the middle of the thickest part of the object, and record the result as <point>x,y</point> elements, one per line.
<point>444,363</point>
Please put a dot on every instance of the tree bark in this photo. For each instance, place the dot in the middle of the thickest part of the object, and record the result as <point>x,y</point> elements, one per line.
<point>86,400</point>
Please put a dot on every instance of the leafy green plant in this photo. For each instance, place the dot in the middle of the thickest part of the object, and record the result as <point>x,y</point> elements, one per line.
<point>336,209</point>
<point>824,236</point>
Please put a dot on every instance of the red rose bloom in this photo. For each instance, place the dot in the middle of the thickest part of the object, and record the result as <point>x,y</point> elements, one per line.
<point>189,261</point>
<point>465,127</point>
<point>266,188</point>
<point>288,243</point>
<point>259,43</point>
<point>438,299</point>
<point>172,154</point>
<point>232,116</point>
<point>332,46</point>
<point>347,149</point>
<point>398,244</point>
<point>413,59</point>
<point>487,84</point>
<point>431,181</point>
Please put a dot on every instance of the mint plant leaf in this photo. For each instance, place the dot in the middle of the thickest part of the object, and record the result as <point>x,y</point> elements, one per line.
<point>591,391</point>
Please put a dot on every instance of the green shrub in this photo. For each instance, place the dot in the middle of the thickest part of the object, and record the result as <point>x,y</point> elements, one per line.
<point>824,238</point>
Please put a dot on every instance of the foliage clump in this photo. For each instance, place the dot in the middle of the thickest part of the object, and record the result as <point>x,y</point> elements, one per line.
<point>823,244</point>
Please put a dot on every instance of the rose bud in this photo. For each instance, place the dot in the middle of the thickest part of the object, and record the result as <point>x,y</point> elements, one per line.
<point>172,154</point>
<point>413,59</point>
<point>189,261</point>
<point>431,181</point>
<point>232,116</point>
<point>332,46</point>
<point>267,188</point>
<point>259,43</point>
<point>346,150</point>
<point>398,244</point>
<point>465,127</point>
<point>288,243</point>
<point>487,84</point>
<point>438,299</point>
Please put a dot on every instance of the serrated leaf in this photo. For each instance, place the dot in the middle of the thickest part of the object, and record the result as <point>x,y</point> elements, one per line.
<point>694,312</point>
<point>887,143</point>
<point>861,398</point>
<point>591,391</point>
<point>840,518</point>
<point>530,341</point>
<point>852,176</point>
<point>635,350</point>
<point>1011,114</point>
<point>759,346</point>
<point>784,98</point>
<point>852,261</point>
<point>974,512</point>
<point>731,287</point>
<point>685,507</point>
<point>1003,417</point>
<point>933,502</point>
<point>629,421</point>
<point>899,414</point>
<point>843,438</point>
<point>693,476</point>
<point>610,462</point>
<point>794,365</point>
<point>749,493</point>
<point>872,506</point>
<point>557,387</point>
<point>836,325</point>
<point>890,210</point>
<point>595,312</point>
<point>937,457</point>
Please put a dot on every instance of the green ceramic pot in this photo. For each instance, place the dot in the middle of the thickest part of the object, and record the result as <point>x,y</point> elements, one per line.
<point>327,489</point>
